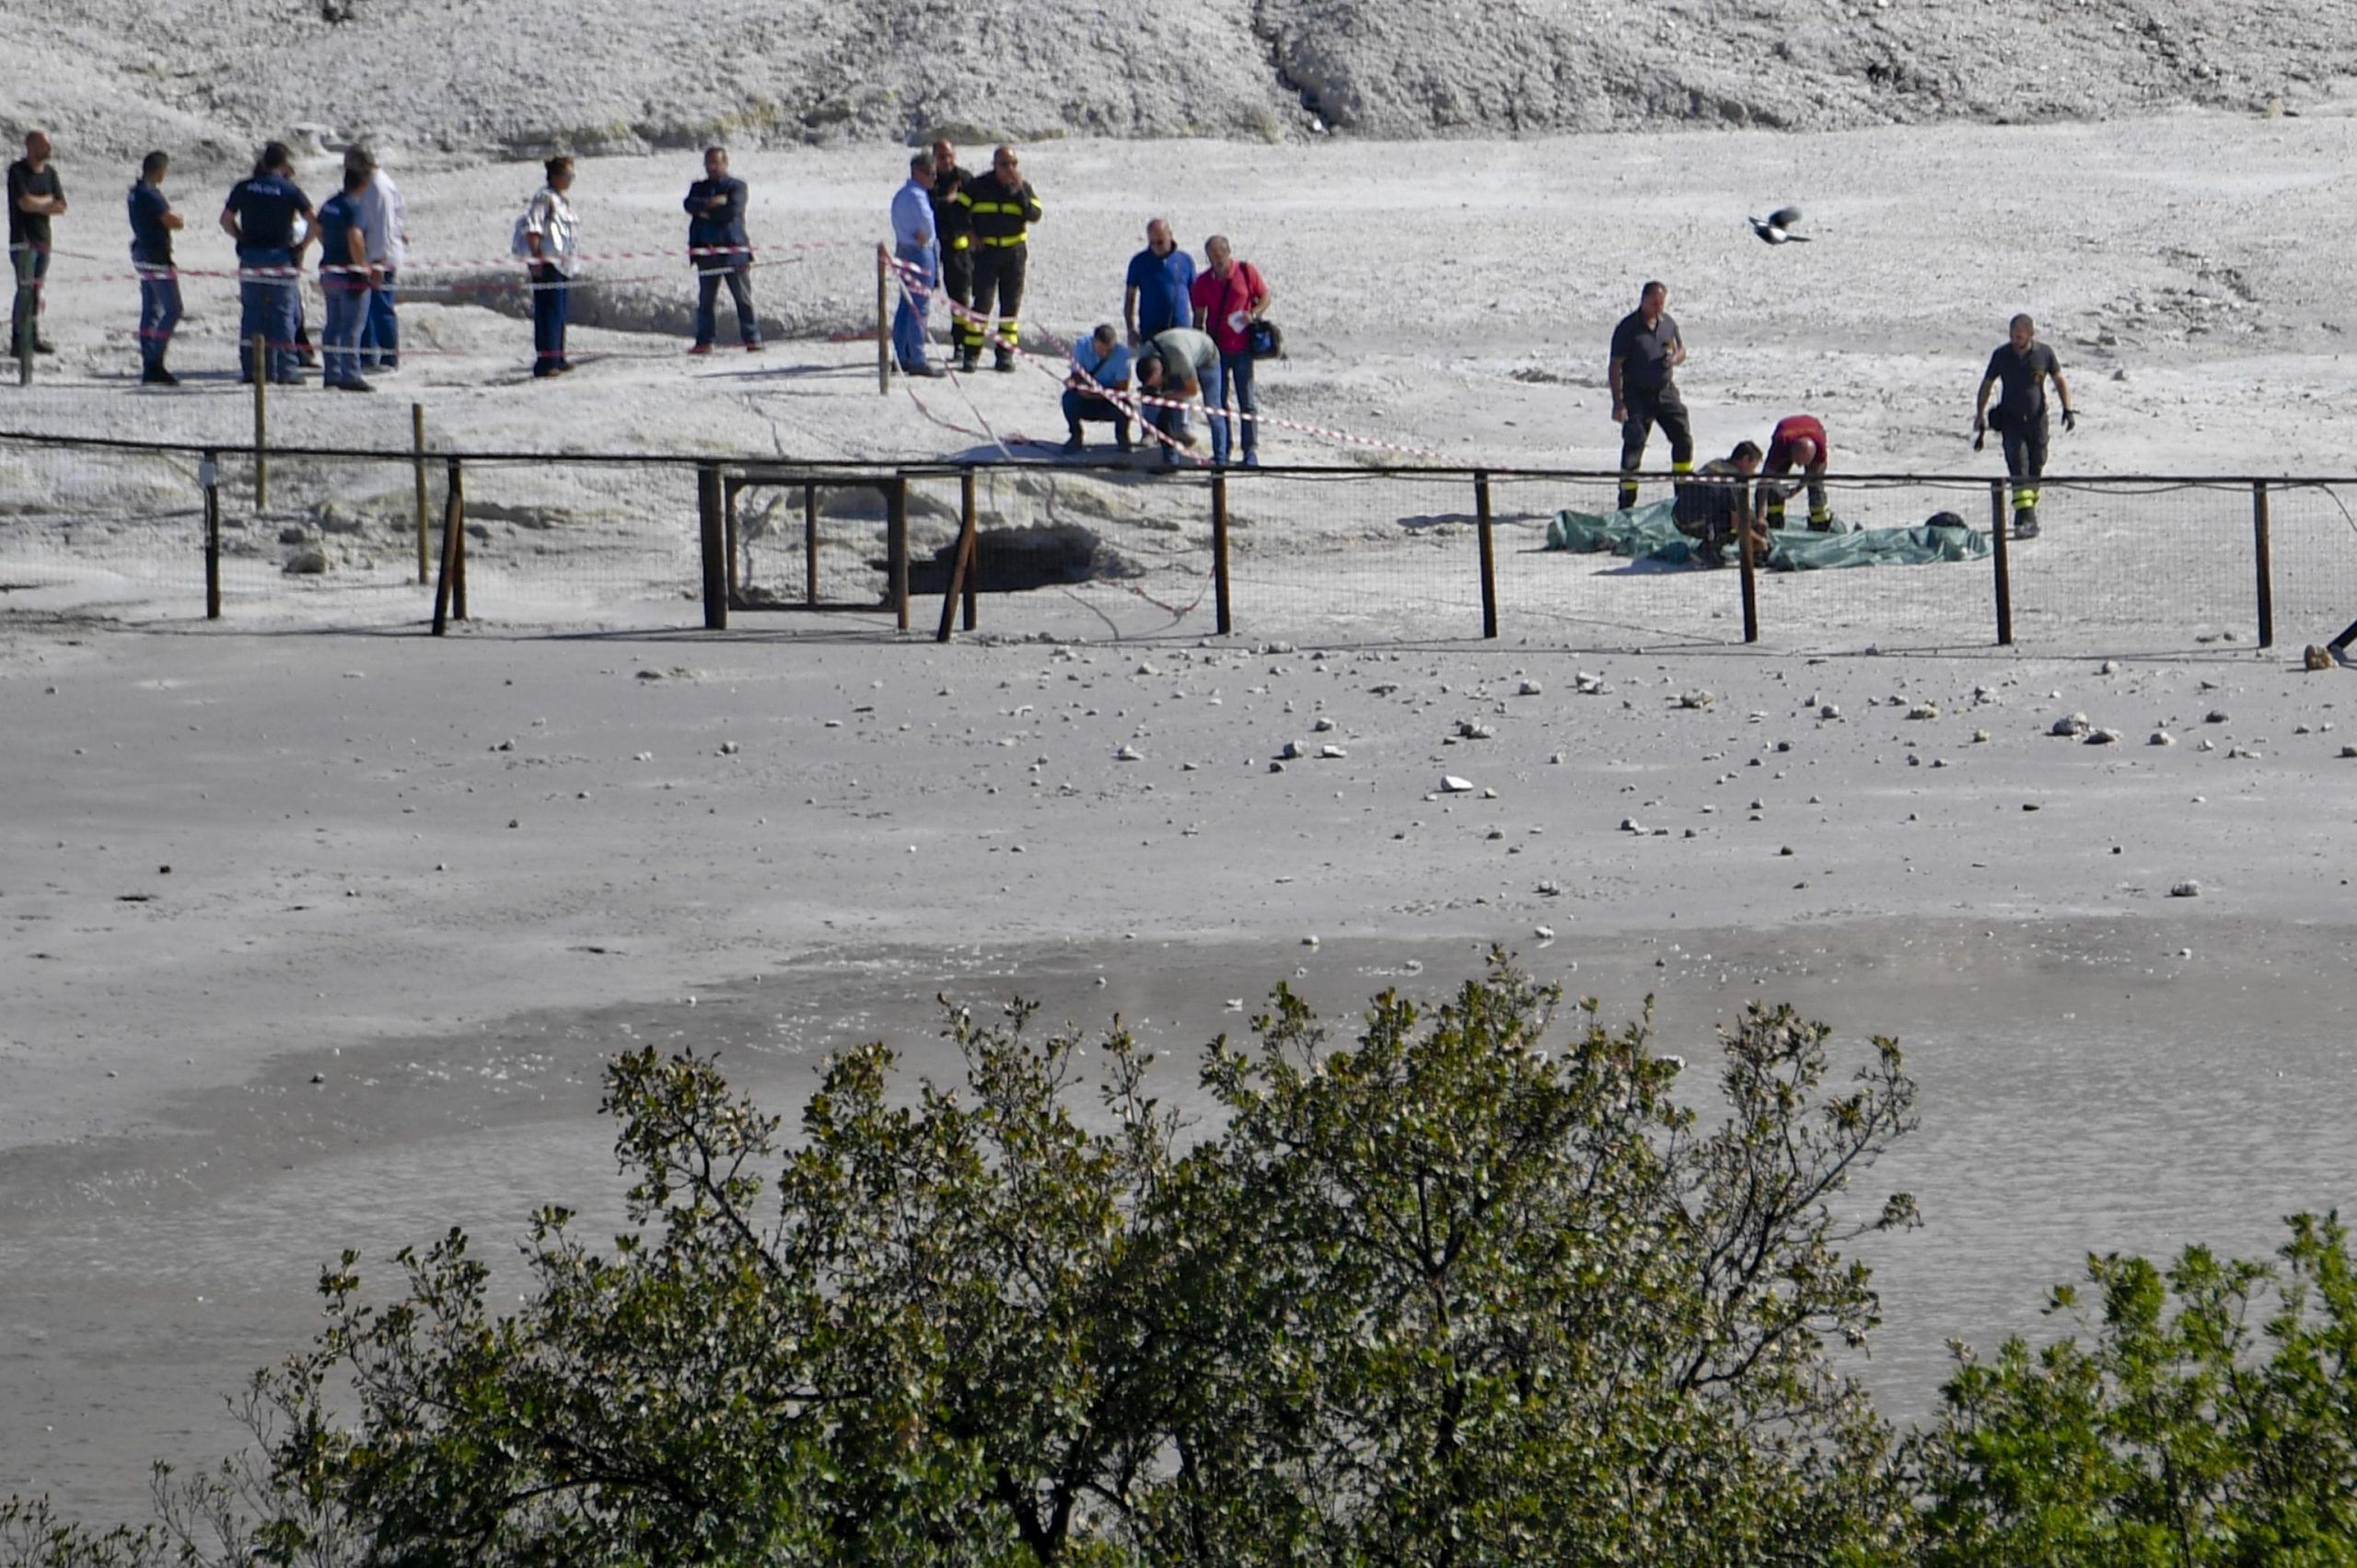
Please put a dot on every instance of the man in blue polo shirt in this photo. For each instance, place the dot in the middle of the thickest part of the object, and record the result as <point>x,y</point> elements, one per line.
<point>152,223</point>
<point>1101,375</point>
<point>346,278</point>
<point>260,218</point>
<point>1162,277</point>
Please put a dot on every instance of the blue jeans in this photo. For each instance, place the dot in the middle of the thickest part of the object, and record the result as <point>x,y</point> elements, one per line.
<point>1232,372</point>
<point>347,295</point>
<point>552,303</point>
<point>28,288</point>
<point>159,312</point>
<point>267,308</point>
<point>739,278</point>
<point>380,336</point>
<point>916,299</point>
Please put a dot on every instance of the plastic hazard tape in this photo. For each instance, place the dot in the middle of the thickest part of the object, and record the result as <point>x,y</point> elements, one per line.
<point>144,273</point>
<point>1134,401</point>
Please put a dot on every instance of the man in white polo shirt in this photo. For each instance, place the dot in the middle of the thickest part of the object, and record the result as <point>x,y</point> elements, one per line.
<point>385,219</point>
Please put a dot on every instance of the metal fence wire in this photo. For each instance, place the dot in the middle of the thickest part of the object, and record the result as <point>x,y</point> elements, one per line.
<point>1376,554</point>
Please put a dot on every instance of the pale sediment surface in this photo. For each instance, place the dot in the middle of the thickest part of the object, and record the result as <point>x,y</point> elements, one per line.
<point>448,878</point>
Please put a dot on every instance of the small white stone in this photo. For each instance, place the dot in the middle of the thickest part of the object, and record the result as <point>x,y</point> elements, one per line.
<point>1129,754</point>
<point>2160,737</point>
<point>2187,889</point>
<point>1451,785</point>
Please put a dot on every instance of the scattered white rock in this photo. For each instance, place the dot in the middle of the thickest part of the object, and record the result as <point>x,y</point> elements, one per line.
<point>1473,729</point>
<point>1631,825</point>
<point>2160,737</point>
<point>1829,710</point>
<point>1291,750</point>
<point>2110,667</point>
<point>1129,754</point>
<point>2185,891</point>
<point>1924,711</point>
<point>1451,785</point>
<point>1332,753</point>
<point>728,748</point>
<point>2069,723</point>
<point>1529,689</point>
<point>2215,715</point>
<point>1321,725</point>
<point>2102,737</point>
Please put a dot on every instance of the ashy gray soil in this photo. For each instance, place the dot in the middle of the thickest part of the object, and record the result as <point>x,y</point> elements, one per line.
<point>519,76</point>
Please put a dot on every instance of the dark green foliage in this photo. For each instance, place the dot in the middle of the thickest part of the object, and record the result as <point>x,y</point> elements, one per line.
<point>1475,1288</point>
<point>2212,1420</point>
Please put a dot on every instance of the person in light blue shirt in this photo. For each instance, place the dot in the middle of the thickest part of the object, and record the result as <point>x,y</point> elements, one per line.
<point>1162,277</point>
<point>1100,365</point>
<point>919,249</point>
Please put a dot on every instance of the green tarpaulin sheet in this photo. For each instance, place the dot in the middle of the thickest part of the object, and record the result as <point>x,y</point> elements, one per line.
<point>1648,533</point>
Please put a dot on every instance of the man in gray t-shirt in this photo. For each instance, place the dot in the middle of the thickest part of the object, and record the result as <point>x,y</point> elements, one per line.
<point>1172,367</point>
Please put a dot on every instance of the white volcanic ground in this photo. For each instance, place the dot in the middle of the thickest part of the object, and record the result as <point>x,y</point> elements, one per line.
<point>418,891</point>
<point>607,75</point>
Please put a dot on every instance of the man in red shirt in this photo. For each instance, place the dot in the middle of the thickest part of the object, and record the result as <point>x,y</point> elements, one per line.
<point>1227,299</point>
<point>1799,443</point>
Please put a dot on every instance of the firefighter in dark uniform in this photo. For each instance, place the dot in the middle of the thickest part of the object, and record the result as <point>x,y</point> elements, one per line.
<point>2021,366</point>
<point>1002,209</point>
<point>953,225</point>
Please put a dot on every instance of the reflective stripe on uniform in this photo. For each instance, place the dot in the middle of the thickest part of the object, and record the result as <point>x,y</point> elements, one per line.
<point>1003,240</point>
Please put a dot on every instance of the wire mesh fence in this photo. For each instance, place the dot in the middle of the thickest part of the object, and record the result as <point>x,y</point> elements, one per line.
<point>1369,554</point>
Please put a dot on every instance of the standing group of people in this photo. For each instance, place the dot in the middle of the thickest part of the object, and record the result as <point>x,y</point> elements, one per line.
<point>969,235</point>
<point>1190,333</point>
<point>1747,488</point>
<point>1190,338</point>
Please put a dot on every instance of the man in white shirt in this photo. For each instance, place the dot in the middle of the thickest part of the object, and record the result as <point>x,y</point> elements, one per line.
<point>386,220</point>
<point>551,240</point>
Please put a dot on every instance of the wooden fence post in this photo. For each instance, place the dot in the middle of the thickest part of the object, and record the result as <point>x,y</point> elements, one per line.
<point>810,543</point>
<point>2003,564</point>
<point>1748,558</point>
<point>961,561</point>
<point>1219,549</point>
<point>1489,555</point>
<point>883,321</point>
<point>896,531</point>
<point>713,528</point>
<point>208,474</point>
<point>2266,563</point>
<point>417,464</point>
<point>445,584</point>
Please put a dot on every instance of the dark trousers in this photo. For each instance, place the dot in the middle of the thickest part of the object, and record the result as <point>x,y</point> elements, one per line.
<point>740,280</point>
<point>1820,513</point>
<point>957,281</point>
<point>998,283</point>
<point>30,264</point>
<point>1079,407</point>
<point>1664,408</point>
<point>159,312</point>
<point>1232,374</point>
<point>2025,457</point>
<point>380,335</point>
<point>551,304</point>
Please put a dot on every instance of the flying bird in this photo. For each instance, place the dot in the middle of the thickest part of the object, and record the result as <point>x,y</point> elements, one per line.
<point>1776,228</point>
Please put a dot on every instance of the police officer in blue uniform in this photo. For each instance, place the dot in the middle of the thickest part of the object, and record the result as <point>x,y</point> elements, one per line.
<point>260,218</point>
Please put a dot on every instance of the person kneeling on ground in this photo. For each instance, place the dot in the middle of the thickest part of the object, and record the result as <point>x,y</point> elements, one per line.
<point>1172,370</point>
<point>1798,443</point>
<point>1099,380</point>
<point>1717,502</point>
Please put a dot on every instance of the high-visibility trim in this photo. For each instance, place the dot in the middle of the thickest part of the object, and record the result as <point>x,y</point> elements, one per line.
<point>1685,468</point>
<point>2025,497</point>
<point>962,242</point>
<point>1010,332</point>
<point>1819,515</point>
<point>1002,242</point>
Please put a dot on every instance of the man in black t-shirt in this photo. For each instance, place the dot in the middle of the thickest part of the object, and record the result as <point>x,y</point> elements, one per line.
<point>35,195</point>
<point>1646,351</point>
<point>2021,366</point>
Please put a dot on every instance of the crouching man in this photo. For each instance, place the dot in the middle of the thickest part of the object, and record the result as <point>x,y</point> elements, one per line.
<point>1716,502</point>
<point>1172,368</point>
<point>1100,365</point>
